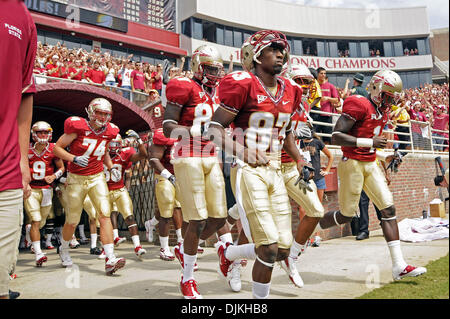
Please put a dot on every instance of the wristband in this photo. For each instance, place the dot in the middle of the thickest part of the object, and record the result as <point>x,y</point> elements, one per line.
<point>364,142</point>
<point>139,140</point>
<point>166,174</point>
<point>58,174</point>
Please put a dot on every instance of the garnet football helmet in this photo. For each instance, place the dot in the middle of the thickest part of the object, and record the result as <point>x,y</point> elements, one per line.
<point>207,65</point>
<point>301,75</point>
<point>253,46</point>
<point>39,127</point>
<point>101,105</point>
<point>385,88</point>
<point>115,146</point>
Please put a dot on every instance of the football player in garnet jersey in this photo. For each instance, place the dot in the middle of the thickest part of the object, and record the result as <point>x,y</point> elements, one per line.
<point>122,159</point>
<point>190,105</point>
<point>39,205</point>
<point>358,131</point>
<point>260,104</point>
<point>88,140</point>
<point>166,190</point>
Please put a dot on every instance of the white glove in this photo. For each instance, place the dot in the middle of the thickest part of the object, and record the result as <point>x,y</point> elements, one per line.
<point>82,161</point>
<point>115,175</point>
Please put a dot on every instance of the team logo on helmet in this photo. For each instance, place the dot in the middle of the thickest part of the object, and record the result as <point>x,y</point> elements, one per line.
<point>207,65</point>
<point>99,105</point>
<point>41,126</point>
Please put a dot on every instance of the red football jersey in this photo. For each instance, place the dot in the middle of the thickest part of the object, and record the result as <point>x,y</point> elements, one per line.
<point>160,139</point>
<point>262,117</point>
<point>89,142</point>
<point>121,162</point>
<point>298,119</point>
<point>198,107</point>
<point>41,165</point>
<point>368,124</point>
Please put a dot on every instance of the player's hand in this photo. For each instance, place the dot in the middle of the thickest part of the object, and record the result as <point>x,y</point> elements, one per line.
<point>49,179</point>
<point>26,189</point>
<point>254,158</point>
<point>115,175</point>
<point>379,142</point>
<point>324,172</point>
<point>173,180</point>
<point>133,134</point>
<point>82,161</point>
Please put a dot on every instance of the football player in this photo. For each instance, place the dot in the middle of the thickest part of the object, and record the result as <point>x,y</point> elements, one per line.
<point>42,163</point>
<point>166,191</point>
<point>123,159</point>
<point>358,131</point>
<point>260,104</point>
<point>88,140</point>
<point>190,106</point>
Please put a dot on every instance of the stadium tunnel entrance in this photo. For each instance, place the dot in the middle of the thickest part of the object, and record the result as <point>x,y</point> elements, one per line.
<point>55,102</point>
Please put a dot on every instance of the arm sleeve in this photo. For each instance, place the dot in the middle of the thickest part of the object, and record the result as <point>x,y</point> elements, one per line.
<point>233,91</point>
<point>27,72</point>
<point>352,109</point>
<point>178,91</point>
<point>70,125</point>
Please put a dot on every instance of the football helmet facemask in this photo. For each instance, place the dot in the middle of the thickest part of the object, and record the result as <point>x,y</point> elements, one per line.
<point>301,75</point>
<point>115,146</point>
<point>385,89</point>
<point>41,126</point>
<point>207,65</point>
<point>256,43</point>
<point>99,105</point>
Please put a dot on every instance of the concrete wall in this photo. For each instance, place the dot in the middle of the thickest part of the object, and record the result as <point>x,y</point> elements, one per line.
<point>439,43</point>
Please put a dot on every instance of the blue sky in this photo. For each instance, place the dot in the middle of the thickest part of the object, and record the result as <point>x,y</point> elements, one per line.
<point>437,9</point>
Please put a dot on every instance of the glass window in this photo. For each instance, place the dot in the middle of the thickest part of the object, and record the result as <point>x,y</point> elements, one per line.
<point>219,34</point>
<point>297,49</point>
<point>387,46</point>
<point>186,27</point>
<point>246,35</point>
<point>237,38</point>
<point>209,31</point>
<point>320,48</point>
<point>398,48</point>
<point>147,59</point>
<point>353,47</point>
<point>364,49</point>
<point>421,46</point>
<point>197,29</point>
<point>413,79</point>
<point>309,47</point>
<point>343,48</point>
<point>333,49</point>
<point>52,38</point>
<point>425,77</point>
<point>228,37</point>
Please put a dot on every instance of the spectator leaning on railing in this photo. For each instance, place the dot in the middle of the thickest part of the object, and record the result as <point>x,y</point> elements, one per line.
<point>440,122</point>
<point>330,96</point>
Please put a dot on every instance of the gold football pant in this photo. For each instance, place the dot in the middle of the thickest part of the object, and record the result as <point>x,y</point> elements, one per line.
<point>356,176</point>
<point>166,196</point>
<point>203,188</point>
<point>266,204</point>
<point>309,201</point>
<point>33,208</point>
<point>121,202</point>
<point>78,186</point>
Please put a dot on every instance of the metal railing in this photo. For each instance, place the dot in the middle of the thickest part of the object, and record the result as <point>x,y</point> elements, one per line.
<point>426,143</point>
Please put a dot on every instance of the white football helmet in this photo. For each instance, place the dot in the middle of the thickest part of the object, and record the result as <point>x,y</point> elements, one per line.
<point>301,75</point>
<point>385,88</point>
<point>40,127</point>
<point>256,43</point>
<point>102,105</point>
<point>115,146</point>
<point>207,65</point>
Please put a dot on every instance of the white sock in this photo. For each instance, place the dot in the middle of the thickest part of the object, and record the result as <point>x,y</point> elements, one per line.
<point>179,236</point>
<point>109,250</point>
<point>226,238</point>
<point>246,251</point>
<point>154,221</point>
<point>182,248</point>
<point>260,291</point>
<point>27,232</point>
<point>48,239</point>
<point>81,230</point>
<point>296,249</point>
<point>64,244</point>
<point>164,241</point>
<point>94,240</point>
<point>115,233</point>
<point>188,271</point>
<point>136,241</point>
<point>37,247</point>
<point>398,262</point>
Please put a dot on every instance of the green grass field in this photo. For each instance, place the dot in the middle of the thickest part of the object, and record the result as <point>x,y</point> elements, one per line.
<point>432,285</point>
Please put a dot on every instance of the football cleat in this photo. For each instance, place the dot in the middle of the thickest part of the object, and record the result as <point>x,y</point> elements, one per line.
<point>113,264</point>
<point>409,271</point>
<point>49,246</point>
<point>84,241</point>
<point>95,251</point>
<point>180,258</point>
<point>139,251</point>
<point>189,289</point>
<point>166,254</point>
<point>12,276</point>
<point>74,243</point>
<point>288,264</point>
<point>102,255</point>
<point>224,263</point>
<point>234,277</point>
<point>118,241</point>
<point>40,259</point>
<point>66,261</point>
<point>149,229</point>
<point>200,250</point>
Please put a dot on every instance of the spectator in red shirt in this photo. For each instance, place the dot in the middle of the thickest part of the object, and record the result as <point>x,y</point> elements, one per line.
<point>157,79</point>
<point>53,66</point>
<point>76,71</point>
<point>440,122</point>
<point>137,79</point>
<point>330,97</point>
<point>96,75</point>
